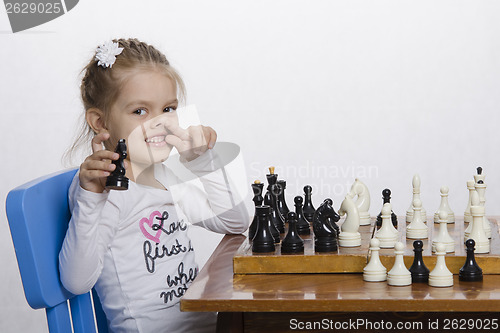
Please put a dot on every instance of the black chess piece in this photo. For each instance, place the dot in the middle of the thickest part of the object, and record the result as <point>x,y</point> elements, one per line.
<point>281,201</point>
<point>277,218</point>
<point>258,199</point>
<point>308,208</point>
<point>303,227</point>
<point>272,227</point>
<point>272,178</point>
<point>263,241</point>
<point>292,243</point>
<point>325,236</point>
<point>419,272</point>
<point>117,180</point>
<point>333,218</point>
<point>386,196</point>
<point>480,172</point>
<point>470,271</point>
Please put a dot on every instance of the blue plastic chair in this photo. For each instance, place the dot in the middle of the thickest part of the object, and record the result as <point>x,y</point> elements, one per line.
<point>38,215</point>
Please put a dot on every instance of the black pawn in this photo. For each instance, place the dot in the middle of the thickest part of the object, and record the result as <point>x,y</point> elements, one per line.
<point>292,243</point>
<point>419,272</point>
<point>308,206</point>
<point>263,241</point>
<point>386,196</point>
<point>257,188</point>
<point>281,202</point>
<point>303,227</point>
<point>117,180</point>
<point>470,271</point>
<point>333,218</point>
<point>325,236</point>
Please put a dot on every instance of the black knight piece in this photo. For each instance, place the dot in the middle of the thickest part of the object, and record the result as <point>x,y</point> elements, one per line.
<point>263,241</point>
<point>117,179</point>
<point>325,236</point>
<point>419,272</point>
<point>334,217</point>
<point>257,188</point>
<point>292,243</point>
<point>308,208</point>
<point>386,196</point>
<point>470,271</point>
<point>303,227</point>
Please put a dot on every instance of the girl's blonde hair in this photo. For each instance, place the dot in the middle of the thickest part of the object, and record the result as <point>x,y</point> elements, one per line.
<point>101,86</point>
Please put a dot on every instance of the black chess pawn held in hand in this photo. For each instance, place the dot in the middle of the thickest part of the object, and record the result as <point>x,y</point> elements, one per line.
<point>117,179</point>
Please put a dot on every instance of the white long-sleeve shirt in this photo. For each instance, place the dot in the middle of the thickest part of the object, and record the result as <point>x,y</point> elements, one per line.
<point>134,247</point>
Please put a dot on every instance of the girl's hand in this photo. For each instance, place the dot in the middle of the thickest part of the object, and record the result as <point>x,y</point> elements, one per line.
<point>98,166</point>
<point>191,142</point>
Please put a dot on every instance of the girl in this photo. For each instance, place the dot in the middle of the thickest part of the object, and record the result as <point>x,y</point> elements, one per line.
<point>133,245</point>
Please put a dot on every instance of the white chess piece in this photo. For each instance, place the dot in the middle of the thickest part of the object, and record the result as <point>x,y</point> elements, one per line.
<point>467,214</point>
<point>399,275</point>
<point>481,189</point>
<point>360,190</point>
<point>349,234</point>
<point>443,236</point>
<point>440,275</point>
<point>444,206</point>
<point>477,233</point>
<point>417,229</point>
<point>374,271</point>
<point>387,234</point>
<point>416,195</point>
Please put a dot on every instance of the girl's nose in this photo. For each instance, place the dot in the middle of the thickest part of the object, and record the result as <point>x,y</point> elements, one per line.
<point>157,122</point>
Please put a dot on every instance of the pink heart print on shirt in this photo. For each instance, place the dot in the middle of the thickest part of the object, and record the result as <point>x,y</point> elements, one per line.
<point>150,222</point>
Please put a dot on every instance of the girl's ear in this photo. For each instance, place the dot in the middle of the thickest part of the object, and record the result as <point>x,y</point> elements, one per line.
<point>95,119</point>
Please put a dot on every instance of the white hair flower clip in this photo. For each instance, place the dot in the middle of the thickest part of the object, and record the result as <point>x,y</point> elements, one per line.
<point>106,53</point>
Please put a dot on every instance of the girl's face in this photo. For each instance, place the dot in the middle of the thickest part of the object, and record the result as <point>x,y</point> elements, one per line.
<point>143,114</point>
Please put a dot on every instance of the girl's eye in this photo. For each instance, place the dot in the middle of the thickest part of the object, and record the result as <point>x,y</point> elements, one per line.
<point>169,109</point>
<point>140,112</point>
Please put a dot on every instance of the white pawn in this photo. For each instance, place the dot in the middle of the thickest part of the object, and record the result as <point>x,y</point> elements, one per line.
<point>481,188</point>
<point>399,275</point>
<point>467,214</point>
<point>349,235</point>
<point>443,236</point>
<point>440,275</point>
<point>416,195</point>
<point>360,190</point>
<point>387,234</point>
<point>417,228</point>
<point>444,206</point>
<point>374,271</point>
<point>477,233</point>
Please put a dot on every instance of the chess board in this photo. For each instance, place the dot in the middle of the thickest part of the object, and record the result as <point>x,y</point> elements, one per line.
<point>354,259</point>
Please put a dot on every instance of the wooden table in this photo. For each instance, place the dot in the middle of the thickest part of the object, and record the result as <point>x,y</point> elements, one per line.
<point>267,302</point>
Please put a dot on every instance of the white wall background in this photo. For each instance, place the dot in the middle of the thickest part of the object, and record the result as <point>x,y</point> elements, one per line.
<point>324,90</point>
